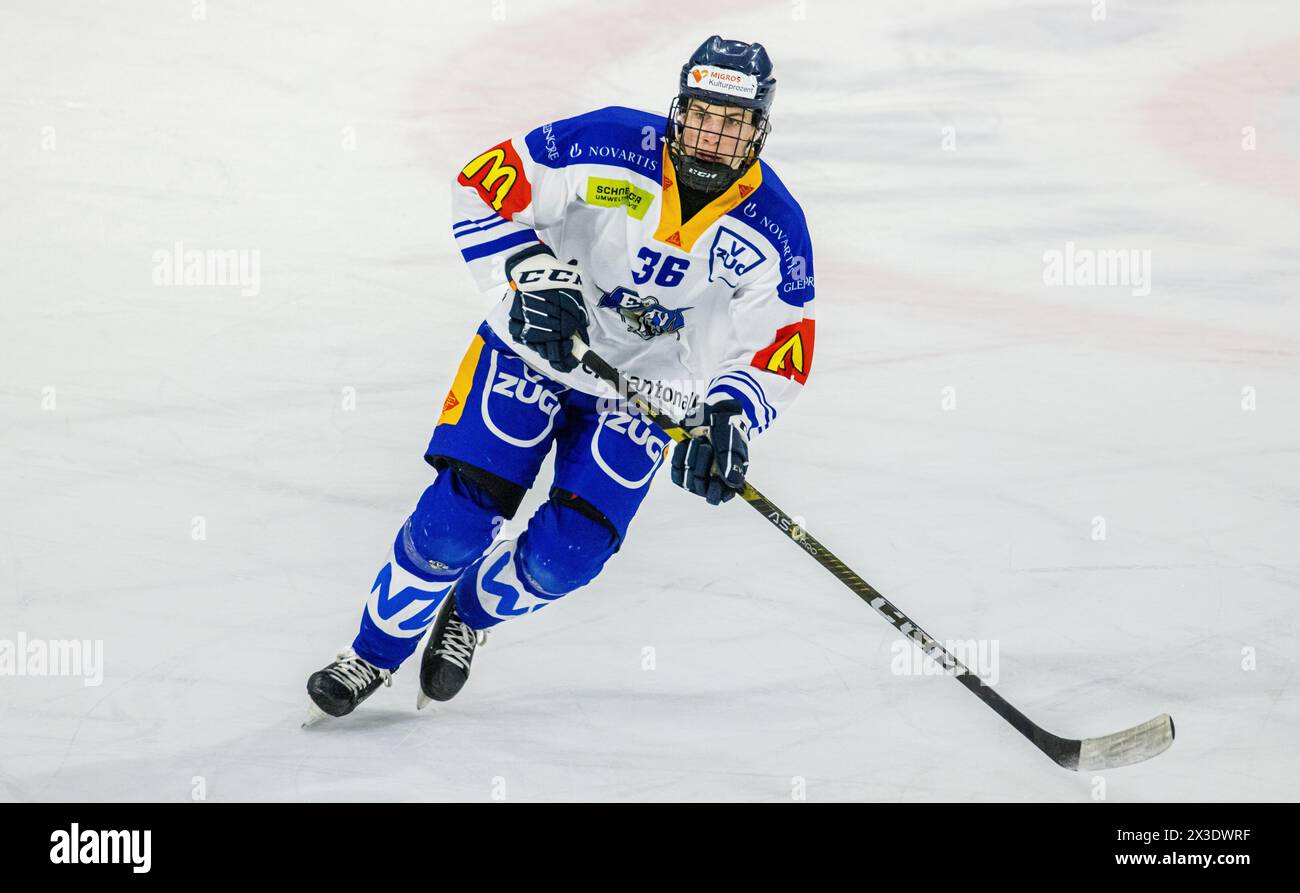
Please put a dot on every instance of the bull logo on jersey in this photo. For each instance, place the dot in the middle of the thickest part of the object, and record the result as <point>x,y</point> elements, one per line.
<point>644,316</point>
<point>732,256</point>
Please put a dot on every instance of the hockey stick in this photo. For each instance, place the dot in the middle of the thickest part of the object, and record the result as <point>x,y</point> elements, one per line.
<point>1141,742</point>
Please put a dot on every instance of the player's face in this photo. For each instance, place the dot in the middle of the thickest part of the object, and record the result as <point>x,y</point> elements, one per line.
<point>717,133</point>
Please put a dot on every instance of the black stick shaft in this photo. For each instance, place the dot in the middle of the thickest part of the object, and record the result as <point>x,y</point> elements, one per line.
<point>1063,751</point>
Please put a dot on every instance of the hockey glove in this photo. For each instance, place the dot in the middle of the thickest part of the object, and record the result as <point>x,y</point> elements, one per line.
<point>547,308</point>
<point>713,462</point>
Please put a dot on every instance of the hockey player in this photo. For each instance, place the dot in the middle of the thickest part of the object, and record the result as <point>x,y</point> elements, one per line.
<point>677,254</point>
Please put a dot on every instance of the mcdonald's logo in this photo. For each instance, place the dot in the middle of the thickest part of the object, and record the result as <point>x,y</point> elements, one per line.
<point>498,175</point>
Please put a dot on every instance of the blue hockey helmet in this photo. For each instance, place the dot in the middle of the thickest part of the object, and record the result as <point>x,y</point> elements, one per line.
<point>719,120</point>
<point>730,71</point>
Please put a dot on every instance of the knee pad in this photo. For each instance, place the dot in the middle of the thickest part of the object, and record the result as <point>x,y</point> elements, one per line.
<point>562,550</point>
<point>454,521</point>
<point>566,545</point>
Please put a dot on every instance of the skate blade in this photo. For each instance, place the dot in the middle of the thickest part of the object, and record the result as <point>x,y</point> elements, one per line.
<point>314,715</point>
<point>422,700</point>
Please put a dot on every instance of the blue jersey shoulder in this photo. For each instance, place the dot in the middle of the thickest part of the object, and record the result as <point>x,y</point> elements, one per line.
<point>616,136</point>
<point>773,211</point>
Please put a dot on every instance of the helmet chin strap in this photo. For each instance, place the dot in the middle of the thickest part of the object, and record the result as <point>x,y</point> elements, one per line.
<point>708,177</point>
<point>703,176</point>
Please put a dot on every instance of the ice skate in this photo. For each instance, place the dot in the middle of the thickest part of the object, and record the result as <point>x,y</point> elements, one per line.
<point>444,667</point>
<point>337,689</point>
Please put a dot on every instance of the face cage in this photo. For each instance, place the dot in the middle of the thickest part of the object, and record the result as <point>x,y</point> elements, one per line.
<point>746,153</point>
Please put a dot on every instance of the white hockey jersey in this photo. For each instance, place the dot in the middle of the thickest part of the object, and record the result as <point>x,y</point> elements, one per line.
<point>719,306</point>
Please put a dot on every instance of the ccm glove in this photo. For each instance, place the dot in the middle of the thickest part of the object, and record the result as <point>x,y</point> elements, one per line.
<point>547,308</point>
<point>713,462</point>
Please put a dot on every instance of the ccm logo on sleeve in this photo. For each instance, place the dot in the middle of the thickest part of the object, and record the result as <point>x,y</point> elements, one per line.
<point>790,354</point>
<point>498,175</point>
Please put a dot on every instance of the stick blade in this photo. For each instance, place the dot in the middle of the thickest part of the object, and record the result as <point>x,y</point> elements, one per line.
<point>1127,747</point>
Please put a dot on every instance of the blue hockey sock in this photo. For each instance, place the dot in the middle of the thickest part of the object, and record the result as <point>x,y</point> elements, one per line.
<point>452,524</point>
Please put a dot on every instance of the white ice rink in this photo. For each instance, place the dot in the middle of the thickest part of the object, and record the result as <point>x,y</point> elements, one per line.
<point>184,480</point>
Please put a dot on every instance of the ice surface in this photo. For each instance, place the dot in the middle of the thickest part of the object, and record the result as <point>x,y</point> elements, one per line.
<point>325,135</point>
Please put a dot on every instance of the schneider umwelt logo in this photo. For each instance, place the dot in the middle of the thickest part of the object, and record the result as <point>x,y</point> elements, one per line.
<point>90,847</point>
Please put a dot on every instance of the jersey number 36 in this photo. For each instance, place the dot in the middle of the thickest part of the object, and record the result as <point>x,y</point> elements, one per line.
<point>671,271</point>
